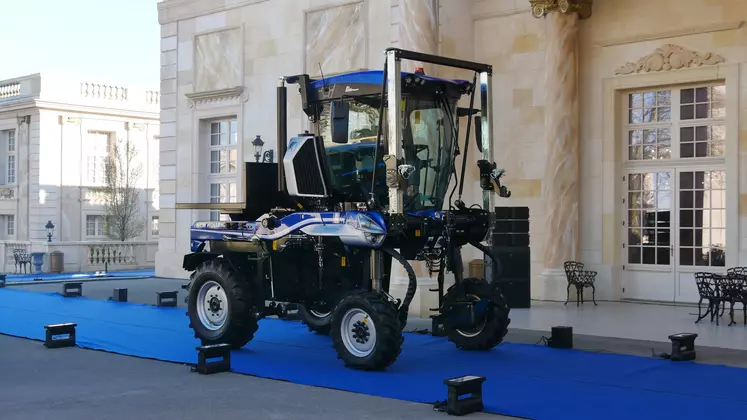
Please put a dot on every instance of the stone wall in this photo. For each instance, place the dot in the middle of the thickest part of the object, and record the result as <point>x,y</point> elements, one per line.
<point>280,37</point>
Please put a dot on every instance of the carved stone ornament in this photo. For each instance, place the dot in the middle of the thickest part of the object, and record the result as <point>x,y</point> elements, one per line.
<point>540,8</point>
<point>669,57</point>
<point>7,193</point>
<point>238,92</point>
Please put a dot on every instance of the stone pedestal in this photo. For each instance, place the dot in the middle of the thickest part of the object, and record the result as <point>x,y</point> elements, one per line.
<point>554,284</point>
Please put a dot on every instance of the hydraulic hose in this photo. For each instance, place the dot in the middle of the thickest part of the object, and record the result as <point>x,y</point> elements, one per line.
<point>412,286</point>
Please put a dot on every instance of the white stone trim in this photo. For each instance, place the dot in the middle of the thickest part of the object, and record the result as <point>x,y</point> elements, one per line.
<point>612,159</point>
<point>199,176</point>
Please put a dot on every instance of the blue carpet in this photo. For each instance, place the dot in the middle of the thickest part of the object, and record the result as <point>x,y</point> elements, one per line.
<point>11,278</point>
<point>522,380</point>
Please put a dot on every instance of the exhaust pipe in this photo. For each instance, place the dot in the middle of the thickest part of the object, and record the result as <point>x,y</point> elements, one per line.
<point>282,134</point>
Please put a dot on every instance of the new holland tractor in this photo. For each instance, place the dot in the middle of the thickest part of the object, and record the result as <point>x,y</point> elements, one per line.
<point>365,190</point>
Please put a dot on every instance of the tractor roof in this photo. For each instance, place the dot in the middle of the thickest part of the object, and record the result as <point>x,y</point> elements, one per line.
<point>374,77</point>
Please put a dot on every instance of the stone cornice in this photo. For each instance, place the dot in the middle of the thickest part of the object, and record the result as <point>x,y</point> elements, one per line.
<point>215,95</point>
<point>669,57</point>
<point>540,8</point>
<point>96,110</point>
<point>693,30</point>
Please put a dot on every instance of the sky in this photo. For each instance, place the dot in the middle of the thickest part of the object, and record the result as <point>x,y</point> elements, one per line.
<point>107,41</point>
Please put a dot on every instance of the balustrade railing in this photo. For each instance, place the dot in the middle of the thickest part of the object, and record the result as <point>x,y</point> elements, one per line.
<point>83,92</point>
<point>10,90</point>
<point>111,254</point>
<point>152,97</point>
<point>82,256</point>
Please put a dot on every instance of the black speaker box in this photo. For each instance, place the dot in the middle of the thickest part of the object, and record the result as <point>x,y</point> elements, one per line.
<point>510,243</point>
<point>515,281</point>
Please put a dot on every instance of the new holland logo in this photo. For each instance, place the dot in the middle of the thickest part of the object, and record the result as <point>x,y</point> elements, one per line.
<point>348,89</point>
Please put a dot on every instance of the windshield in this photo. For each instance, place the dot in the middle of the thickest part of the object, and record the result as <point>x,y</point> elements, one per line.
<point>428,140</point>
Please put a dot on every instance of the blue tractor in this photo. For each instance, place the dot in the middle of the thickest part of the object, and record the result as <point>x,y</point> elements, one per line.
<point>321,228</point>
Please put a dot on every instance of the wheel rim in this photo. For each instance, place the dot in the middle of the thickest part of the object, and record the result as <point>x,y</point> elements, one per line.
<point>358,332</point>
<point>478,329</point>
<point>319,314</point>
<point>212,305</point>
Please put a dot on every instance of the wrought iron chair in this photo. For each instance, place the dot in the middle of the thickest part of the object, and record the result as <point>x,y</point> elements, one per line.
<point>22,258</point>
<point>735,291</point>
<point>710,289</point>
<point>580,279</point>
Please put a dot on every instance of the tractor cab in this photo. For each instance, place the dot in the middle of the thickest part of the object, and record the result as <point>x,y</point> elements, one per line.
<point>349,112</point>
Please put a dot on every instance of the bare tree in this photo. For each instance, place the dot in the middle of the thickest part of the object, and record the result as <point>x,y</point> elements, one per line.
<point>121,192</point>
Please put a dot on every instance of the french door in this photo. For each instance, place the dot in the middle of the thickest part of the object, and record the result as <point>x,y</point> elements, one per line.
<point>674,226</point>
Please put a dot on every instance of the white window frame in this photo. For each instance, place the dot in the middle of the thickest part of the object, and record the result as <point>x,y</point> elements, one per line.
<point>222,143</point>
<point>675,161</point>
<point>674,124</point>
<point>99,227</point>
<point>10,225</point>
<point>228,195</point>
<point>11,159</point>
<point>96,158</point>
<point>154,226</point>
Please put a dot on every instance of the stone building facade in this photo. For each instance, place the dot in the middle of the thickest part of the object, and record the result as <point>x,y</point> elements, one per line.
<point>55,134</point>
<point>618,121</point>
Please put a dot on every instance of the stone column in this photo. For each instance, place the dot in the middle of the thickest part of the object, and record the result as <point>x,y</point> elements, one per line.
<point>560,190</point>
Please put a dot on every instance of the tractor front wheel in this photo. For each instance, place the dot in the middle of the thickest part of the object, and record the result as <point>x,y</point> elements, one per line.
<point>366,331</point>
<point>219,306</point>
<point>493,326</point>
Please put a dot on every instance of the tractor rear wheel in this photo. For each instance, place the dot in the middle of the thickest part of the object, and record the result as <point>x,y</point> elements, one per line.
<point>366,331</point>
<point>219,306</point>
<point>316,319</point>
<point>491,330</point>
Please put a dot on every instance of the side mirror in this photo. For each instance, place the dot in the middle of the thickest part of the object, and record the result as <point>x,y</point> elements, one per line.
<point>339,118</point>
<point>478,132</point>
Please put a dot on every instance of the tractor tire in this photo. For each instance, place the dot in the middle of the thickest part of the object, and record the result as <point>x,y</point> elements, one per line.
<point>489,333</point>
<point>219,306</point>
<point>316,321</point>
<point>366,331</point>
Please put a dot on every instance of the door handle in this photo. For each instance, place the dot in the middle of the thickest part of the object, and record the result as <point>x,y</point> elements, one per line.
<point>671,251</point>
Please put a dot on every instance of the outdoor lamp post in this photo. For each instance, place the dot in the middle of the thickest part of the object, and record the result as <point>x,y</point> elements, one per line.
<point>50,230</point>
<point>257,143</point>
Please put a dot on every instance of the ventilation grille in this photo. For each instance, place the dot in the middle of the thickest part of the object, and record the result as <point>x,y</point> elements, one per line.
<point>307,169</point>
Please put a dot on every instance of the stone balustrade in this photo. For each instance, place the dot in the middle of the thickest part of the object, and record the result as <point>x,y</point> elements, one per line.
<point>85,256</point>
<point>101,91</point>
<point>86,92</point>
<point>9,90</point>
<point>111,254</point>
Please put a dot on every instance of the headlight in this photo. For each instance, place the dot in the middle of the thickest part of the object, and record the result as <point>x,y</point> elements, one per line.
<point>374,239</point>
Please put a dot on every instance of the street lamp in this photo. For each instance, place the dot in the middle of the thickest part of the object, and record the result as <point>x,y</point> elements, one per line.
<point>50,230</point>
<point>257,143</point>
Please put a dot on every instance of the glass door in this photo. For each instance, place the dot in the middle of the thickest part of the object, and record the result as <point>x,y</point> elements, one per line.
<point>649,249</point>
<point>701,227</point>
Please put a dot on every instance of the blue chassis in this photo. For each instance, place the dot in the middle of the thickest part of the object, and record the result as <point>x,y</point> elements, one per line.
<point>352,227</point>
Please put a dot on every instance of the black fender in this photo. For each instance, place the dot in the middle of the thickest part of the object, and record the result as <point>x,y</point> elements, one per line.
<point>191,261</point>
